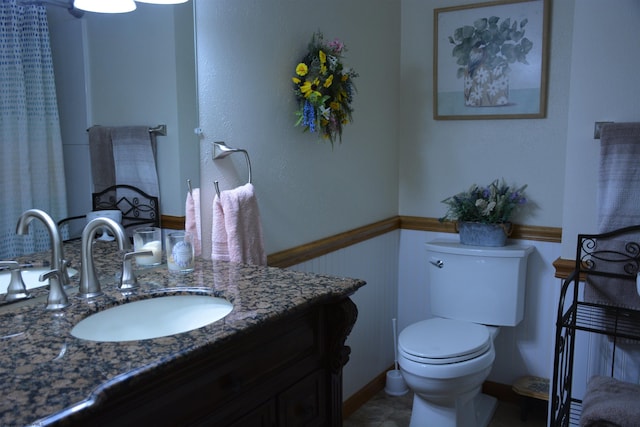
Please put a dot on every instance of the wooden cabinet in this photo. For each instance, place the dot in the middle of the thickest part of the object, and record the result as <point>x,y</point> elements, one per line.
<point>285,373</point>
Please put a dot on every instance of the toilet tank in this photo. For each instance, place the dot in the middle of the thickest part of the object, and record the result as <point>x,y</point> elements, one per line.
<point>477,284</point>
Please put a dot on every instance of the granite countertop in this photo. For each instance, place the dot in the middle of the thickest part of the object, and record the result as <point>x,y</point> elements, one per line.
<point>47,372</point>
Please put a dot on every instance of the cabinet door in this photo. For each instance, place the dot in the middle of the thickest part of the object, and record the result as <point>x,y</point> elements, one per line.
<point>262,416</point>
<point>305,403</point>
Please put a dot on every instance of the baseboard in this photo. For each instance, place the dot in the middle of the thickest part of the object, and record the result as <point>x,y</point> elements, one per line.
<point>365,394</point>
<point>502,392</point>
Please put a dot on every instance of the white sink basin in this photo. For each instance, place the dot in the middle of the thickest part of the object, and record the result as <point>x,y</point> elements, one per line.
<point>152,318</point>
<point>30,277</point>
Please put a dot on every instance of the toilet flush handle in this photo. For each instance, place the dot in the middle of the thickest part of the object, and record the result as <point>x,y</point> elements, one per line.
<point>437,262</point>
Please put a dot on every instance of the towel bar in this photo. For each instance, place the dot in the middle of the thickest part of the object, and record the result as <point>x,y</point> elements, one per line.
<point>158,130</point>
<point>222,150</point>
<point>597,128</point>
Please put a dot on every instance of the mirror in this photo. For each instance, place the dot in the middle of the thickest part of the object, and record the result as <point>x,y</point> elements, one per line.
<point>134,68</point>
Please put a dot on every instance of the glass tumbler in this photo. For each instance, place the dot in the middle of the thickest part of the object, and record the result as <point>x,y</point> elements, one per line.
<point>148,239</point>
<point>180,252</point>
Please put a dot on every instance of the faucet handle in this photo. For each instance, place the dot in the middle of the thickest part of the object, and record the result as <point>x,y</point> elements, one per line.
<point>129,279</point>
<point>16,289</point>
<point>57,299</point>
<point>10,265</point>
<point>64,273</point>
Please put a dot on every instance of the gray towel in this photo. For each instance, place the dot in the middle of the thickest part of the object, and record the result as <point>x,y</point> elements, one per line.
<point>619,176</point>
<point>101,153</point>
<point>618,206</point>
<point>610,403</point>
<point>134,158</point>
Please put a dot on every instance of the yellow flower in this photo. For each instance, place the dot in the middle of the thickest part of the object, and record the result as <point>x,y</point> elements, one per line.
<point>335,105</point>
<point>296,80</point>
<point>302,69</point>
<point>328,82</point>
<point>323,57</point>
<point>308,88</point>
<point>345,77</point>
<point>323,69</point>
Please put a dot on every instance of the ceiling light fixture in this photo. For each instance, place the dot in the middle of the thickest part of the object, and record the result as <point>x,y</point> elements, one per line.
<point>162,1</point>
<point>105,6</point>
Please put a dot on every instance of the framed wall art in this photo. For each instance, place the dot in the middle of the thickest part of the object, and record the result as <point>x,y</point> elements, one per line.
<point>490,60</point>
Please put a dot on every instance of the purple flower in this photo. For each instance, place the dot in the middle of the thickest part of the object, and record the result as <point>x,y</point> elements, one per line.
<point>336,45</point>
<point>309,116</point>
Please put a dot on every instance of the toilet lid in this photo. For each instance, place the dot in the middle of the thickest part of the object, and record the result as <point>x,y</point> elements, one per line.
<point>440,341</point>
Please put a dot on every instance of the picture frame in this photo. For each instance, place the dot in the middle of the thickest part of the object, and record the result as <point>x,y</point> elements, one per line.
<point>490,60</point>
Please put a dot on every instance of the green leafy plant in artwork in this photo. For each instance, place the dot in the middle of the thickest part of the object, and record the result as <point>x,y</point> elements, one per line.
<point>491,43</point>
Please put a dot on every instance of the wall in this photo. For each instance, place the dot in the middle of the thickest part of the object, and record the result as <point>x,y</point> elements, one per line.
<point>247,52</point>
<point>68,51</point>
<point>371,339</point>
<point>128,69</point>
<point>603,88</point>
<point>441,158</point>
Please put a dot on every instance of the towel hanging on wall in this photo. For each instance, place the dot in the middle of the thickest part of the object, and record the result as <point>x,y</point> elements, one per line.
<point>134,158</point>
<point>124,155</point>
<point>236,230</point>
<point>192,222</point>
<point>103,171</point>
<point>618,202</point>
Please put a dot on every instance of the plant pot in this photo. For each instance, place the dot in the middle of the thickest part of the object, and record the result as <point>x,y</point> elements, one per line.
<point>486,87</point>
<point>481,234</point>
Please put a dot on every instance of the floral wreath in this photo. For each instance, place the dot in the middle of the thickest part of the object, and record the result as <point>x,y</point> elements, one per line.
<point>324,89</point>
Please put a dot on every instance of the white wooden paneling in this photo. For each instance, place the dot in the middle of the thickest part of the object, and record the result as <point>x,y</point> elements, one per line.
<point>371,340</point>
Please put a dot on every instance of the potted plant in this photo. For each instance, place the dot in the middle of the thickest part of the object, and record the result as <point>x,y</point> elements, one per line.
<point>484,51</point>
<point>483,214</point>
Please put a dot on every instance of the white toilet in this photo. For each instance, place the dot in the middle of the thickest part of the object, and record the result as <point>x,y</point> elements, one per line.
<point>445,360</point>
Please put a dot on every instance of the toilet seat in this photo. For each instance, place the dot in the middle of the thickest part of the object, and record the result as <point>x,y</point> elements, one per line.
<point>441,341</point>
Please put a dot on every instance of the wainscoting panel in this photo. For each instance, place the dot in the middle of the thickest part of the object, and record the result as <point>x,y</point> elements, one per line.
<point>371,341</point>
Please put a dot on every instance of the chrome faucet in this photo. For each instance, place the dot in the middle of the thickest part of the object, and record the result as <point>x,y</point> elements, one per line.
<point>89,284</point>
<point>57,253</point>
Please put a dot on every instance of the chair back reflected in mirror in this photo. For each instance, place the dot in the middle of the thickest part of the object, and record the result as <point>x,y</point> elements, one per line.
<point>138,209</point>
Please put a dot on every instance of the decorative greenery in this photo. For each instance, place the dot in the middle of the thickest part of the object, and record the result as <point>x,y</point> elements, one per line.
<point>324,89</point>
<point>491,44</point>
<point>494,204</point>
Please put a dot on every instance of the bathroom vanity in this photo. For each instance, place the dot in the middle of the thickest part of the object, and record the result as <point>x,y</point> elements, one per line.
<point>275,360</point>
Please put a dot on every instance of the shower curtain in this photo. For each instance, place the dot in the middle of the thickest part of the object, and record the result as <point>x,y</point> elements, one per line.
<point>31,159</point>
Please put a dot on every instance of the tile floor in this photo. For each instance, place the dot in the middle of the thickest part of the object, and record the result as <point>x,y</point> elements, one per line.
<point>389,411</point>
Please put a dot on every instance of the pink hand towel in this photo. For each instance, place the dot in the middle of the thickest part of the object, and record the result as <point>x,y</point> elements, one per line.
<point>219,244</point>
<point>238,209</point>
<point>192,219</point>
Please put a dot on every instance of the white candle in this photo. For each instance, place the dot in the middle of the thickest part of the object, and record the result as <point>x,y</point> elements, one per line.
<point>155,247</point>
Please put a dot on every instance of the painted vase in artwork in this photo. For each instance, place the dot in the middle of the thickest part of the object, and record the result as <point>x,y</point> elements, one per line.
<point>486,87</point>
